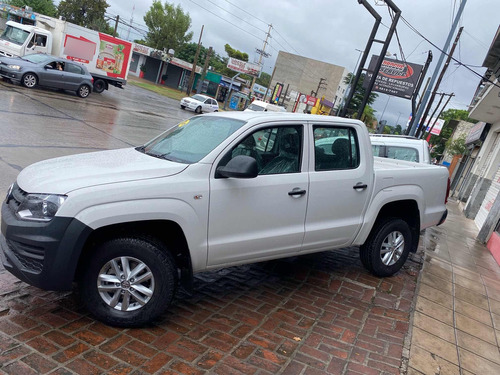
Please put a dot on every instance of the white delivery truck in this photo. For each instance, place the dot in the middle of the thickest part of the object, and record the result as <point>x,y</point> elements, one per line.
<point>107,58</point>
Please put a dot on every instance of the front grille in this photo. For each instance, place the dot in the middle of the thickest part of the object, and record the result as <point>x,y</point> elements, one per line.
<point>16,197</point>
<point>31,257</point>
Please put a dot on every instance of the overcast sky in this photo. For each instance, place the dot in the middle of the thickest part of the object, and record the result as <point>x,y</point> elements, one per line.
<point>333,30</point>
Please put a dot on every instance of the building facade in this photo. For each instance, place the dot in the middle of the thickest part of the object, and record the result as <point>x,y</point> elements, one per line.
<point>483,201</point>
<point>299,74</point>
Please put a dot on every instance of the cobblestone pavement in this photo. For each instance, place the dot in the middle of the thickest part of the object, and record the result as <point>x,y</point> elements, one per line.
<point>315,314</point>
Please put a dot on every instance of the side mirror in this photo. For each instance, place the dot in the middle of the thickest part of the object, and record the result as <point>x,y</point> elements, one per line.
<point>240,166</point>
<point>48,66</point>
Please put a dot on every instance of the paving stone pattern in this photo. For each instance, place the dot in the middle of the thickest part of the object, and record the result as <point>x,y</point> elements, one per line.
<point>314,314</point>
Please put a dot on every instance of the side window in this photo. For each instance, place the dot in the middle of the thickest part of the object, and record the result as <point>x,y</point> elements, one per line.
<point>335,148</point>
<point>72,68</point>
<point>402,153</point>
<point>378,150</point>
<point>277,150</point>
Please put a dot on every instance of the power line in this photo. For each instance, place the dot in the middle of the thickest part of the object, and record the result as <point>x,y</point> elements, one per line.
<point>250,14</point>
<point>216,15</point>
<point>412,28</point>
<point>234,15</point>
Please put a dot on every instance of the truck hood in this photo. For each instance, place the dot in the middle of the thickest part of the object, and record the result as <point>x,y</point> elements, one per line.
<point>65,174</point>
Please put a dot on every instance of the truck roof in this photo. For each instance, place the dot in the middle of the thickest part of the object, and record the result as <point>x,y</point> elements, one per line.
<point>26,27</point>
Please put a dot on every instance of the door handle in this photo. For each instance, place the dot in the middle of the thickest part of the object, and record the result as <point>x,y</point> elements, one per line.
<point>296,191</point>
<point>360,185</point>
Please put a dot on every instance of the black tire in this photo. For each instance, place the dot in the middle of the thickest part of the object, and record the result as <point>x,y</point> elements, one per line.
<point>198,109</point>
<point>29,80</point>
<point>99,86</point>
<point>387,248</point>
<point>83,91</point>
<point>158,278</point>
<point>183,107</point>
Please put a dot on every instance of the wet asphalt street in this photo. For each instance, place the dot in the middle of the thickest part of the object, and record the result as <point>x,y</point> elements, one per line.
<point>40,124</point>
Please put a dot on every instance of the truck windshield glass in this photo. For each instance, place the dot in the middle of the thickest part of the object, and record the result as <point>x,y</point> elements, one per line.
<point>15,35</point>
<point>191,140</point>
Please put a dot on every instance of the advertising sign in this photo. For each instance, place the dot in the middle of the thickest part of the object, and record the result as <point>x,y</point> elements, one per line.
<point>436,130</point>
<point>276,93</point>
<point>243,67</point>
<point>397,78</point>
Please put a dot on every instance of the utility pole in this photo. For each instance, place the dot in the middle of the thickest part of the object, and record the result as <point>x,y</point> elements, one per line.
<point>204,71</point>
<point>193,71</point>
<point>421,128</point>
<point>440,61</point>
<point>322,81</point>
<point>414,95</point>
<point>270,82</point>
<point>263,52</point>
<point>116,24</point>
<point>442,109</point>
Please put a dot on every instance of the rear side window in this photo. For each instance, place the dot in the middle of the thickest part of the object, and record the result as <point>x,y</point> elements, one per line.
<point>335,148</point>
<point>72,68</point>
<point>402,153</point>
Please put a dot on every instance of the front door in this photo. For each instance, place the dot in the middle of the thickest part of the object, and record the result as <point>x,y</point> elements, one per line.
<point>263,217</point>
<point>52,77</point>
<point>336,208</point>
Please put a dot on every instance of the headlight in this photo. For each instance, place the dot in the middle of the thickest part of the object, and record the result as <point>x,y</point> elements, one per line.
<point>40,207</point>
<point>9,193</point>
<point>14,67</point>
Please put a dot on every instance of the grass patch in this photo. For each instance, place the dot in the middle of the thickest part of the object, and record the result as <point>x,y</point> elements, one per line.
<point>165,91</point>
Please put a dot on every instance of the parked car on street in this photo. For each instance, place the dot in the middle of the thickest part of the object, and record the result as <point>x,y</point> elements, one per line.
<point>200,103</point>
<point>46,70</point>
<point>401,147</point>
<point>215,191</point>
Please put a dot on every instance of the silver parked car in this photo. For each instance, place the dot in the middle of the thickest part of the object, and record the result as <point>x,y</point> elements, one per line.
<point>46,70</point>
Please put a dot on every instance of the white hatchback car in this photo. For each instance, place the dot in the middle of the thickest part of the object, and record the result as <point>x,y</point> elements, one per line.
<point>200,103</point>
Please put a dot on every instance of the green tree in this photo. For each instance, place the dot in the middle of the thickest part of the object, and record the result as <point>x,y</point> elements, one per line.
<point>264,79</point>
<point>167,25</point>
<point>439,141</point>
<point>397,130</point>
<point>359,93</point>
<point>231,52</point>
<point>456,146</point>
<point>46,7</point>
<point>86,13</point>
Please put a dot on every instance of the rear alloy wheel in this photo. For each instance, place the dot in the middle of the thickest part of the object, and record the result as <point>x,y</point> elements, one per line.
<point>387,248</point>
<point>83,91</point>
<point>128,282</point>
<point>198,109</point>
<point>29,80</point>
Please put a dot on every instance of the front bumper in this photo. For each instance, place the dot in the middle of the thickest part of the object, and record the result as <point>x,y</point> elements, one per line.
<point>42,254</point>
<point>13,75</point>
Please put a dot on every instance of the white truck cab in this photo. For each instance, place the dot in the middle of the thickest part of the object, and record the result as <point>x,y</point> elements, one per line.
<point>401,147</point>
<point>21,40</point>
<point>216,190</point>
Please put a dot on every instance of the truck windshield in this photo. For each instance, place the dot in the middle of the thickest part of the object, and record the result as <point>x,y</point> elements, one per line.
<point>15,35</point>
<point>192,140</point>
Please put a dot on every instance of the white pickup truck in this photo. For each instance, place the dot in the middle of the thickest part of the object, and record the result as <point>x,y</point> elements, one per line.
<point>215,191</point>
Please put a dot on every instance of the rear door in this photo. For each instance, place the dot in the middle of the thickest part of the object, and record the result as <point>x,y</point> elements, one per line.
<point>72,76</point>
<point>341,179</point>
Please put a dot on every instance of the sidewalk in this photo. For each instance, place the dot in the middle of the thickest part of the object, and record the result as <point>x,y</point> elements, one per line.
<point>456,323</point>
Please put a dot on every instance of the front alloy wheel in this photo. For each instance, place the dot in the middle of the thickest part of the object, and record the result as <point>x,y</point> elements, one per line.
<point>128,281</point>
<point>83,91</point>
<point>29,80</point>
<point>126,284</point>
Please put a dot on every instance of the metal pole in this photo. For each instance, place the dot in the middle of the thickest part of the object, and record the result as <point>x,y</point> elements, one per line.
<point>371,39</point>
<point>421,128</point>
<point>193,71</point>
<point>440,61</point>
<point>417,90</point>
<point>442,109</point>
<point>260,58</point>
<point>397,14</point>
<point>432,116</point>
